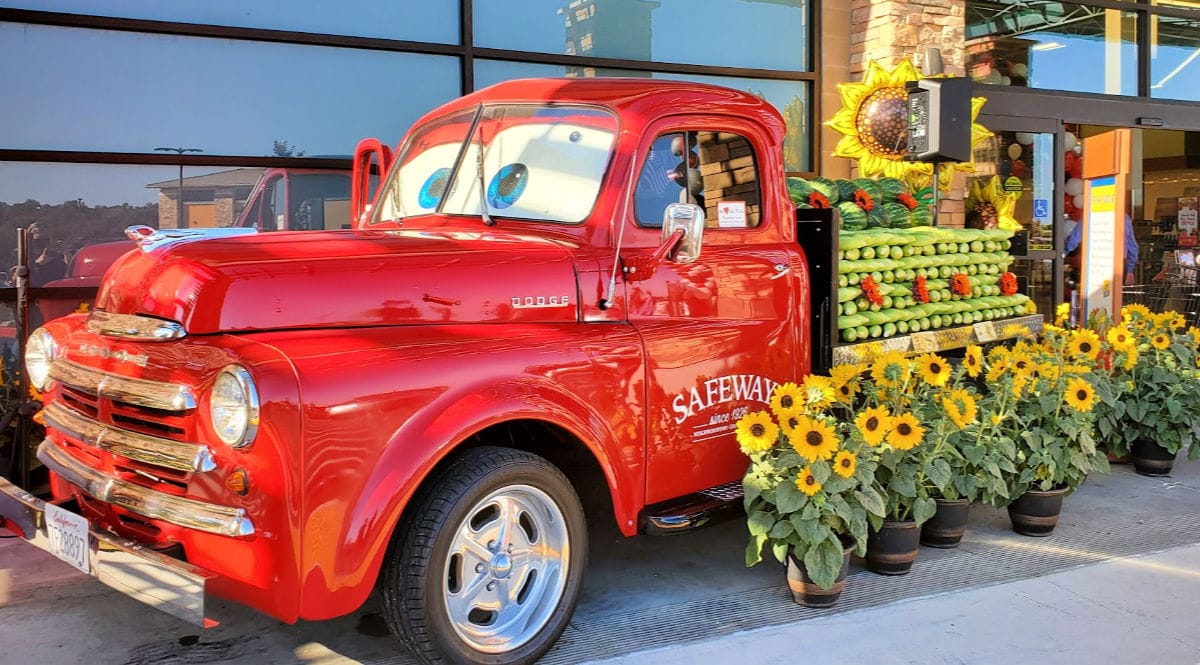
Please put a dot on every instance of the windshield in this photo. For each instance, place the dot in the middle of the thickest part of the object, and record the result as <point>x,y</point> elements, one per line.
<point>539,163</point>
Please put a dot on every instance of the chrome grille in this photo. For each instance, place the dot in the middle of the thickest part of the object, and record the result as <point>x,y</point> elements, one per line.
<point>139,392</point>
<point>180,456</point>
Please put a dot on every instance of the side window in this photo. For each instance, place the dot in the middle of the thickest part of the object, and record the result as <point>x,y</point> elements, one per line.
<point>277,221</point>
<point>716,170</point>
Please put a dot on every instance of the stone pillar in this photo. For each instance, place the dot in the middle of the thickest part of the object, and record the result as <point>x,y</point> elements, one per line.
<point>166,211</point>
<point>890,30</point>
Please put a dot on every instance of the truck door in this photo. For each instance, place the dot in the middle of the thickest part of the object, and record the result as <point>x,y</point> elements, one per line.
<point>719,333</point>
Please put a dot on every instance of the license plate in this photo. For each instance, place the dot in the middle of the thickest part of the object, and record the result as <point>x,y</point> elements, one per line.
<point>68,534</point>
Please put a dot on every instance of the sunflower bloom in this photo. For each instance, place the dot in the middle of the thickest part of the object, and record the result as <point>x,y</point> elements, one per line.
<point>845,392</point>
<point>846,373</point>
<point>1160,341</point>
<point>998,354</point>
<point>874,424</point>
<point>816,392</point>
<point>1023,364</point>
<point>807,483</point>
<point>814,440</point>
<point>789,421</point>
<point>786,397</point>
<point>1085,343</point>
<point>933,369</point>
<point>1048,370</point>
<point>906,432</point>
<point>961,407</point>
<point>1120,338</point>
<point>1080,395</point>
<point>890,369</point>
<point>1135,309</point>
<point>756,432</point>
<point>1131,359</point>
<point>844,463</point>
<point>973,360</point>
<point>1176,321</point>
<point>997,370</point>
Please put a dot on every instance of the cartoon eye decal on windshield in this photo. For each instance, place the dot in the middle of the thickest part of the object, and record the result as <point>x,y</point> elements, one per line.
<point>434,189</point>
<point>507,185</point>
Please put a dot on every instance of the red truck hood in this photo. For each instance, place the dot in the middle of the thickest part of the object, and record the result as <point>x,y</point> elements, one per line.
<point>347,278</point>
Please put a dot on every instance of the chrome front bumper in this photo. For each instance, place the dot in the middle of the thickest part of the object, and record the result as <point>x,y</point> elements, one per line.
<point>173,586</point>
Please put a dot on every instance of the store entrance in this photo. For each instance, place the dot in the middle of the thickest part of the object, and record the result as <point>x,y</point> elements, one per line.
<point>1017,174</point>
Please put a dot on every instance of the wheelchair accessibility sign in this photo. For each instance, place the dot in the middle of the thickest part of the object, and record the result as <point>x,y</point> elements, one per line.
<point>1041,208</point>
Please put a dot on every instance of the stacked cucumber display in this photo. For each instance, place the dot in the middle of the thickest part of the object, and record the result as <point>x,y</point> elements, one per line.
<point>900,281</point>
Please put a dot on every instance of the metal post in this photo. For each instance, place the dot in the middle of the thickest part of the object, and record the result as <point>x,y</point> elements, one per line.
<point>179,195</point>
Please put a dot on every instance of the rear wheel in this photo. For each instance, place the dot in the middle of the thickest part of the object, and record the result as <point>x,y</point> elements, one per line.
<point>490,566</point>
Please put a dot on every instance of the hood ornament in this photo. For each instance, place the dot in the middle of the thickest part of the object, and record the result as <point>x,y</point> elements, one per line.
<point>148,238</point>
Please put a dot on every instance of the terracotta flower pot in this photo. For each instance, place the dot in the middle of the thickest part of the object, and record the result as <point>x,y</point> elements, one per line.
<point>1035,513</point>
<point>946,528</point>
<point>893,548</point>
<point>808,593</point>
<point>1151,459</point>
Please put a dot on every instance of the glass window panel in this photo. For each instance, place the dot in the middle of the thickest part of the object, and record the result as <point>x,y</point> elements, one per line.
<point>790,97</point>
<point>97,90</point>
<point>1177,4</point>
<point>1052,45</point>
<point>1014,178</point>
<point>665,178</point>
<point>732,33</point>
<point>428,21</point>
<point>1175,58</point>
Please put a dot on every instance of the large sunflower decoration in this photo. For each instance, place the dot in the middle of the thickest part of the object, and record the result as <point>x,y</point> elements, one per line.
<point>991,205</point>
<point>873,122</point>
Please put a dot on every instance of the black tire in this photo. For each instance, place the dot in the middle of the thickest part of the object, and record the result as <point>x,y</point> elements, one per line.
<point>421,572</point>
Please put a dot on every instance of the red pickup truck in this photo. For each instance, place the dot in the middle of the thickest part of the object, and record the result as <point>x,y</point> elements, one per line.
<point>561,284</point>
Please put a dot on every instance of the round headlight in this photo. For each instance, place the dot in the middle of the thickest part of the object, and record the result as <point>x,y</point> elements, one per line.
<point>234,407</point>
<point>40,352</point>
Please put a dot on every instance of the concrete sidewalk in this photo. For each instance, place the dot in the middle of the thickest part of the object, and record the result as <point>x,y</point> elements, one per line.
<point>1137,610</point>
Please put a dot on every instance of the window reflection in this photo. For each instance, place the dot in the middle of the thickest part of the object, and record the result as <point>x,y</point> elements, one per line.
<point>429,20</point>
<point>1175,58</point>
<point>789,97</point>
<point>731,33</point>
<point>139,91</point>
<point>1052,45</point>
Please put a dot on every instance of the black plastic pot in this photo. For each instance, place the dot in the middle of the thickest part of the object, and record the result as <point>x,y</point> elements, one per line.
<point>808,593</point>
<point>1035,513</point>
<point>893,548</point>
<point>946,528</point>
<point>1151,459</point>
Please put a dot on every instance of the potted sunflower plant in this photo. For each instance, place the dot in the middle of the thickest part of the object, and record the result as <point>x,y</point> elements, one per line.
<point>1151,407</point>
<point>809,492</point>
<point>912,464</point>
<point>1040,400</point>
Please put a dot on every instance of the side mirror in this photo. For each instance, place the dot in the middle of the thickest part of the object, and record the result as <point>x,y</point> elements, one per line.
<point>689,218</point>
<point>370,157</point>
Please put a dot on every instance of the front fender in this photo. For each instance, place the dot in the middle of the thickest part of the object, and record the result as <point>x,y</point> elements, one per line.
<point>376,429</point>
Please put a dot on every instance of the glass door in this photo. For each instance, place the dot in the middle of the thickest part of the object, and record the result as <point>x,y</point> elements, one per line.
<point>1018,183</point>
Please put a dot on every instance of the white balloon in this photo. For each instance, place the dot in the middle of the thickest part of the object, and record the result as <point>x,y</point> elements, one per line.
<point>1074,186</point>
<point>1078,200</point>
<point>1078,149</point>
<point>1020,69</point>
<point>1025,138</point>
<point>1069,141</point>
<point>1014,150</point>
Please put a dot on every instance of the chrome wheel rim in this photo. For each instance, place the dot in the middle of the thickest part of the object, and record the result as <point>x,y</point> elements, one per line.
<point>506,569</point>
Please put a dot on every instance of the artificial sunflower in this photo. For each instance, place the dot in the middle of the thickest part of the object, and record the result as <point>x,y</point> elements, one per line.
<point>933,369</point>
<point>874,424</point>
<point>873,122</point>
<point>993,206</point>
<point>818,200</point>
<point>961,407</point>
<point>756,432</point>
<point>1160,341</point>
<point>870,290</point>
<point>1008,284</point>
<point>1084,343</point>
<point>1120,338</point>
<point>1080,395</point>
<point>906,432</point>
<point>844,463</point>
<point>807,483</point>
<point>973,360</point>
<point>786,397</point>
<point>891,368</point>
<point>813,439</point>
<point>921,289</point>
<point>816,392</point>
<point>960,284</point>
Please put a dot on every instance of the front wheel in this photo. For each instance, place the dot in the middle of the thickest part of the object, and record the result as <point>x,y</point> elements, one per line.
<point>489,567</point>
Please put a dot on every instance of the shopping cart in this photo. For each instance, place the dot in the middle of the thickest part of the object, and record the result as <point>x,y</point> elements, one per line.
<point>1177,289</point>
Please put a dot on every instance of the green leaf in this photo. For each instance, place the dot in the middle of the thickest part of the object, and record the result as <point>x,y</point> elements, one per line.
<point>754,550</point>
<point>809,531</point>
<point>923,509</point>
<point>760,523</point>
<point>788,498</point>
<point>781,530</point>
<point>904,486</point>
<point>824,562</point>
<point>939,473</point>
<point>780,550</point>
<point>840,507</point>
<point>871,500</point>
<point>1174,407</point>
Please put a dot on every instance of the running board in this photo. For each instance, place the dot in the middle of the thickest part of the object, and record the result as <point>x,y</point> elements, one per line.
<point>692,511</point>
